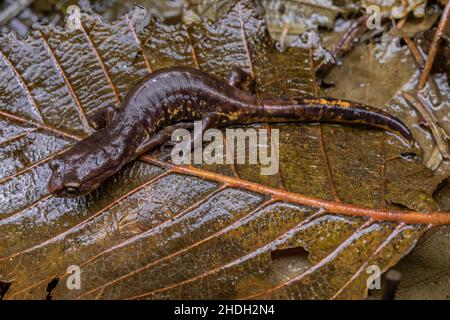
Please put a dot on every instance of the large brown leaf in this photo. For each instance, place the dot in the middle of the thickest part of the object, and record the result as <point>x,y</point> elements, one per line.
<point>158,231</point>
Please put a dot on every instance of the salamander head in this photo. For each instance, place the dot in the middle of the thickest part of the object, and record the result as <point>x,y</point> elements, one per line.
<point>85,165</point>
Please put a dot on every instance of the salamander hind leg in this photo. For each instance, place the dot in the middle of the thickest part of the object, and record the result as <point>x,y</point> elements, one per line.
<point>243,80</point>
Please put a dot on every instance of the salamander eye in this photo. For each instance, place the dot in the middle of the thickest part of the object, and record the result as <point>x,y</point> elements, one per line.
<point>71,188</point>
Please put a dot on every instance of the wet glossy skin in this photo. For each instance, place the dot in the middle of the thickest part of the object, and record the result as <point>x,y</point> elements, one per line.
<point>169,96</point>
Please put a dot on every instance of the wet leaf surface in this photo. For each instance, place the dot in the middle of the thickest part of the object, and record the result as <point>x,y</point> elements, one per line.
<point>425,271</point>
<point>152,232</point>
<point>283,18</point>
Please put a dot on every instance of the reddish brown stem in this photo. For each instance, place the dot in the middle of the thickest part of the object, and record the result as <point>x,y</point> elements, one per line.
<point>409,217</point>
<point>434,46</point>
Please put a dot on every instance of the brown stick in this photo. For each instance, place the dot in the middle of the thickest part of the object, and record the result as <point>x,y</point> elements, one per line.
<point>413,49</point>
<point>434,46</point>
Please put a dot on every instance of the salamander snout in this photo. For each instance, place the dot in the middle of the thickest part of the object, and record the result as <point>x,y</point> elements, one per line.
<point>60,186</point>
<point>55,185</point>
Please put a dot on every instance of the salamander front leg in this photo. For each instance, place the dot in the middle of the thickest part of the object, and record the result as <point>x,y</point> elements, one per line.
<point>162,137</point>
<point>208,121</point>
<point>238,77</point>
<point>103,117</point>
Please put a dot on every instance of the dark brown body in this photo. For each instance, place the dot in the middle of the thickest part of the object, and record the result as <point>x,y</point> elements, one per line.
<point>169,96</point>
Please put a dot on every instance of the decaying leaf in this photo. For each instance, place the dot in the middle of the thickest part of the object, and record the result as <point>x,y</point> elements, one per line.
<point>158,231</point>
<point>426,270</point>
<point>283,18</point>
<point>368,68</point>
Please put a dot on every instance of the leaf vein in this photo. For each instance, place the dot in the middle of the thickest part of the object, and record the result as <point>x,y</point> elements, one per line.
<point>391,236</point>
<point>139,43</point>
<point>76,100</point>
<point>22,84</point>
<point>34,165</point>
<point>39,125</point>
<point>315,267</point>
<point>193,53</point>
<point>269,246</point>
<point>101,62</point>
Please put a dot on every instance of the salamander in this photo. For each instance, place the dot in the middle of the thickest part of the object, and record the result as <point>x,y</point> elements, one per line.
<point>171,98</point>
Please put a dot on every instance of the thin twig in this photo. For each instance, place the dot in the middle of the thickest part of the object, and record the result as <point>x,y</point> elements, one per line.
<point>418,56</point>
<point>401,23</point>
<point>413,49</point>
<point>343,46</point>
<point>423,108</point>
<point>434,46</point>
<point>426,113</point>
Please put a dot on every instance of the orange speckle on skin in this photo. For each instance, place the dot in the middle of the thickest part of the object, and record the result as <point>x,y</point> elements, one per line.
<point>344,104</point>
<point>340,103</point>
